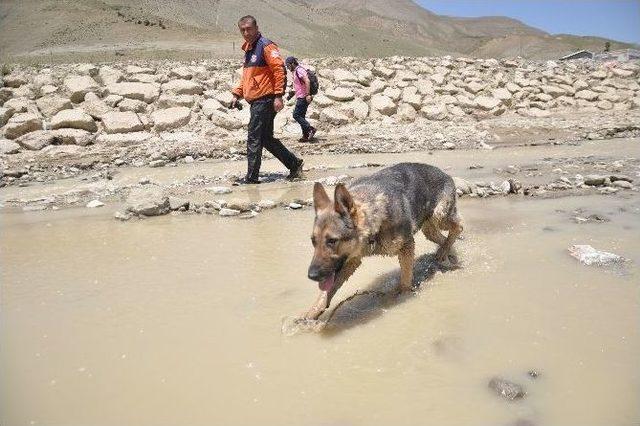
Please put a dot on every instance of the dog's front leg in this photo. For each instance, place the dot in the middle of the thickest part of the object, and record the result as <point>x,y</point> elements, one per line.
<point>324,298</point>
<point>406,257</point>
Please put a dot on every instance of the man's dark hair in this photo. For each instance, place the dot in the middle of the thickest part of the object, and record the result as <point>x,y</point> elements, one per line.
<point>248,18</point>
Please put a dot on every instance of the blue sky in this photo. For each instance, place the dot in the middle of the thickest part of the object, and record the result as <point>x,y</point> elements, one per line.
<point>616,19</point>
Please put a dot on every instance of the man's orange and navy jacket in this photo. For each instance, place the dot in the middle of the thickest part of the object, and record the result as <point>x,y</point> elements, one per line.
<point>263,73</point>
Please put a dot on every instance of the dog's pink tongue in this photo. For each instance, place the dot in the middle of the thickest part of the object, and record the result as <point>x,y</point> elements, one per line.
<point>327,284</point>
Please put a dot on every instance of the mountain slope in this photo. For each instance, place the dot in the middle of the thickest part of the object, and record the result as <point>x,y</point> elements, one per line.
<point>33,28</point>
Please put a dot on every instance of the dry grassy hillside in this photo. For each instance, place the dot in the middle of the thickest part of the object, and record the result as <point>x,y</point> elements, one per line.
<point>105,29</point>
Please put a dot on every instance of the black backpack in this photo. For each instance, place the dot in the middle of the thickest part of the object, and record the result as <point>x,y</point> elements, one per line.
<point>313,81</point>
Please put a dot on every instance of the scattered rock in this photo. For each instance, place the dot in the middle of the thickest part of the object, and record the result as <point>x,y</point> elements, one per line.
<point>95,203</point>
<point>148,201</point>
<point>506,389</point>
<point>590,256</point>
<point>219,190</point>
<point>229,212</point>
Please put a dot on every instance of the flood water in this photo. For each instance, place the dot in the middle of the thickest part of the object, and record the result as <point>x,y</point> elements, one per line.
<point>177,320</point>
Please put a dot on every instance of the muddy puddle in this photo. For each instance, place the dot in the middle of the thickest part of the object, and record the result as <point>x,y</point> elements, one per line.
<point>177,320</point>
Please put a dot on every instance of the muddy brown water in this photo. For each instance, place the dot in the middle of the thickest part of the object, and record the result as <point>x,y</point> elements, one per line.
<point>177,320</point>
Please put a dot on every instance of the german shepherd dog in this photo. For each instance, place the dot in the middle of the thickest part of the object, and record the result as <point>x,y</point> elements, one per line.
<point>378,215</point>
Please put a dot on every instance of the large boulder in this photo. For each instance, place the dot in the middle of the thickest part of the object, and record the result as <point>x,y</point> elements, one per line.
<point>15,80</point>
<point>553,91</point>
<point>18,105</point>
<point>95,107</point>
<point>392,93</point>
<point>21,124</point>
<point>209,106</point>
<point>434,112</point>
<point>182,87</point>
<point>79,86</point>
<point>342,75</point>
<point>53,104</point>
<point>132,105</point>
<point>487,103</point>
<point>410,96</point>
<point>171,118</point>
<point>73,119</point>
<point>360,109</point>
<point>108,75</point>
<point>73,137</point>
<point>587,95</point>
<point>406,113</point>
<point>383,104</point>
<point>322,101</point>
<point>503,95</point>
<point>333,115</point>
<point>122,122</point>
<point>224,120</point>
<point>5,115</point>
<point>35,141</point>
<point>171,101</point>
<point>124,139</point>
<point>8,147</point>
<point>341,94</point>
<point>181,72</point>
<point>474,87</point>
<point>146,92</point>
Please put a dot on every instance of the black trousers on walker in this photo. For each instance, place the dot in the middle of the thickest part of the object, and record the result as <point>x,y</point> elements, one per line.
<point>261,135</point>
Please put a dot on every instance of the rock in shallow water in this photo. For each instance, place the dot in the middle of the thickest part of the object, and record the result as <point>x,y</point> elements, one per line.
<point>507,389</point>
<point>590,256</point>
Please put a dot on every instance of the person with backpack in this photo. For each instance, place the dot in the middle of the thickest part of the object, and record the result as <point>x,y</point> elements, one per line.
<point>263,84</point>
<point>303,86</point>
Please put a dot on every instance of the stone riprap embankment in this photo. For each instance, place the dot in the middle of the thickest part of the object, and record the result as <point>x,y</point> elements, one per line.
<point>153,113</point>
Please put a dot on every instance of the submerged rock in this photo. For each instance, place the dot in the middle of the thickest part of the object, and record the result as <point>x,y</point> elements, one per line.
<point>590,256</point>
<point>507,389</point>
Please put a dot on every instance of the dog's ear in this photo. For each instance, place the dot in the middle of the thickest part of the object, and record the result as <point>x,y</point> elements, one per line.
<point>343,201</point>
<point>320,198</point>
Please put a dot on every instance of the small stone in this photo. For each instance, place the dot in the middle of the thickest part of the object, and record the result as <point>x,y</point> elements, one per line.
<point>123,216</point>
<point>594,180</point>
<point>588,255</point>
<point>95,203</point>
<point>266,204</point>
<point>449,145</point>
<point>219,190</point>
<point>158,163</point>
<point>506,389</point>
<point>623,184</point>
<point>294,206</point>
<point>229,212</point>
<point>176,203</point>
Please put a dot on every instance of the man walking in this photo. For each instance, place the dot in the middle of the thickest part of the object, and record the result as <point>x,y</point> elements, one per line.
<point>262,85</point>
<point>302,89</point>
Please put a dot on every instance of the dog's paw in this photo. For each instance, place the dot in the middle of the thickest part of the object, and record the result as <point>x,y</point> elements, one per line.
<point>295,325</point>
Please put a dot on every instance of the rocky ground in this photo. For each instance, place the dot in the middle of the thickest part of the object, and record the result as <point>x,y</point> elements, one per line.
<point>88,121</point>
